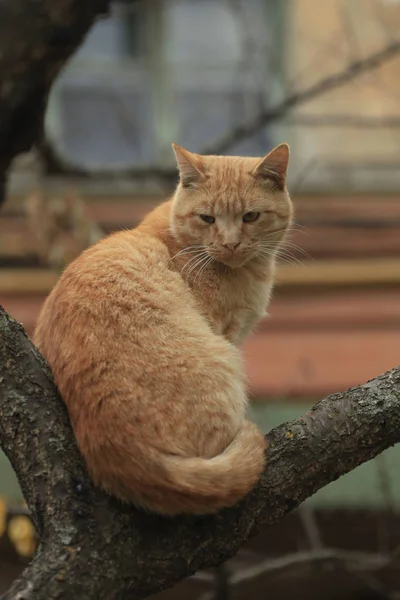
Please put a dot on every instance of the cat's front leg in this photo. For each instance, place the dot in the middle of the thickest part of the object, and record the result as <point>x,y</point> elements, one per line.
<point>237,329</point>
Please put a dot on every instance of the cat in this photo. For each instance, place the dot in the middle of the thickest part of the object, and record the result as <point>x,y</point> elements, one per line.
<point>142,333</point>
<point>60,228</point>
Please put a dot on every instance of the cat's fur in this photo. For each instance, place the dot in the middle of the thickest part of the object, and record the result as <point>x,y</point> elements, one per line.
<point>141,334</point>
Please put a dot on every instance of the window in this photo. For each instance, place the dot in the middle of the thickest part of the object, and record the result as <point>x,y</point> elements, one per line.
<point>162,71</point>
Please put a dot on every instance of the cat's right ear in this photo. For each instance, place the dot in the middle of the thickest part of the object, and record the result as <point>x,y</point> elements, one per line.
<point>274,166</point>
<point>189,165</point>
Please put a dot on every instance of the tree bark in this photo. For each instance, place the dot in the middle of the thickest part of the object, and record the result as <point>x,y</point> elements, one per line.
<point>36,39</point>
<point>94,547</point>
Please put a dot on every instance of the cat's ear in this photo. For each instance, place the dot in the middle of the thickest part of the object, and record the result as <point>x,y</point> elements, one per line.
<point>274,166</point>
<point>190,166</point>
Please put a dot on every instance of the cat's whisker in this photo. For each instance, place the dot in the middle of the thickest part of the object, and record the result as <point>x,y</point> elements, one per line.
<point>187,250</point>
<point>195,252</point>
<point>283,254</point>
<point>281,258</point>
<point>191,262</point>
<point>192,247</point>
<point>297,248</point>
<point>196,264</point>
<point>289,260</point>
<point>294,227</point>
<point>290,246</point>
<point>271,233</point>
<point>285,250</point>
<point>202,268</point>
<point>299,227</point>
<point>268,245</point>
<point>287,257</point>
<point>268,255</point>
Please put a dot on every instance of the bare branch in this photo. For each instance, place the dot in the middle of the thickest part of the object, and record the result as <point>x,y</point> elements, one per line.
<point>36,38</point>
<point>356,561</point>
<point>332,120</point>
<point>352,72</point>
<point>310,526</point>
<point>283,110</point>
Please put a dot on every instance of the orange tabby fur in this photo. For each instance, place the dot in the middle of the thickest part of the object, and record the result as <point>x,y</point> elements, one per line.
<point>141,333</point>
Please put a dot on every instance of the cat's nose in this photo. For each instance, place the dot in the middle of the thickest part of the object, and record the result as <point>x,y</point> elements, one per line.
<point>231,247</point>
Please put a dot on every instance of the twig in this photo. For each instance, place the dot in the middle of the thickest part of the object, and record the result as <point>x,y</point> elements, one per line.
<point>385,487</point>
<point>282,110</point>
<point>327,84</point>
<point>310,526</point>
<point>332,120</point>
<point>360,561</point>
<point>222,587</point>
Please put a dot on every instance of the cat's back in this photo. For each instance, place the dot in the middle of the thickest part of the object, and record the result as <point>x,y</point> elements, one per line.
<point>108,267</point>
<point>119,285</point>
<point>121,321</point>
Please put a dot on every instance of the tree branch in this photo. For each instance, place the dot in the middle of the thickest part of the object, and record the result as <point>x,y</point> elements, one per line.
<point>349,120</point>
<point>36,39</point>
<point>354,70</point>
<point>94,547</point>
<point>270,115</point>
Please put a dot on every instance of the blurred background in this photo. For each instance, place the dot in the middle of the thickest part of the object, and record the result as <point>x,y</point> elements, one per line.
<point>238,77</point>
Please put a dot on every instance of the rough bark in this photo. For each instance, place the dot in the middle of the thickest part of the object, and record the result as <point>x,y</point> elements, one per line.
<point>93,547</point>
<point>36,38</point>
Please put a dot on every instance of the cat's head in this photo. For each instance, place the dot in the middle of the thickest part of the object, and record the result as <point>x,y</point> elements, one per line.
<point>236,209</point>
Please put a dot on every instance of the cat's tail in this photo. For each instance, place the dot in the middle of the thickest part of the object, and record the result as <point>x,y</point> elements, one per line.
<point>200,486</point>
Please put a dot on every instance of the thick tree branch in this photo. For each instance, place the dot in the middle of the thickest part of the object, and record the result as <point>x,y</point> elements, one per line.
<point>36,39</point>
<point>94,547</point>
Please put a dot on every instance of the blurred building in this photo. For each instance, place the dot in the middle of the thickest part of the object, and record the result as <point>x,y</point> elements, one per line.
<point>350,135</point>
<point>149,73</point>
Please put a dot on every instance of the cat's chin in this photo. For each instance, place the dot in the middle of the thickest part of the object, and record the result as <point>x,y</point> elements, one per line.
<point>234,262</point>
<point>240,261</point>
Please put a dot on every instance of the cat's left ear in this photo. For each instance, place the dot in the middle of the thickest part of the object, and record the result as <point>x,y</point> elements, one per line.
<point>191,169</point>
<point>274,166</point>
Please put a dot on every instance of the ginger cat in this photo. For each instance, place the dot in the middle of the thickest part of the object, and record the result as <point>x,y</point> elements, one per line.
<point>141,333</point>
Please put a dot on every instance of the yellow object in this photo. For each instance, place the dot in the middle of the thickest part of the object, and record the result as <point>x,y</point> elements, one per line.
<point>22,534</point>
<point>3,516</point>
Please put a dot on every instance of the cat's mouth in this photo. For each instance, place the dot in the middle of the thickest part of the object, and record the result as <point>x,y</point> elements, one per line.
<point>233,259</point>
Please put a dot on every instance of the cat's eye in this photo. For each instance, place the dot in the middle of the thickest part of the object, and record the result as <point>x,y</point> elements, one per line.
<point>249,217</point>
<point>207,219</point>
